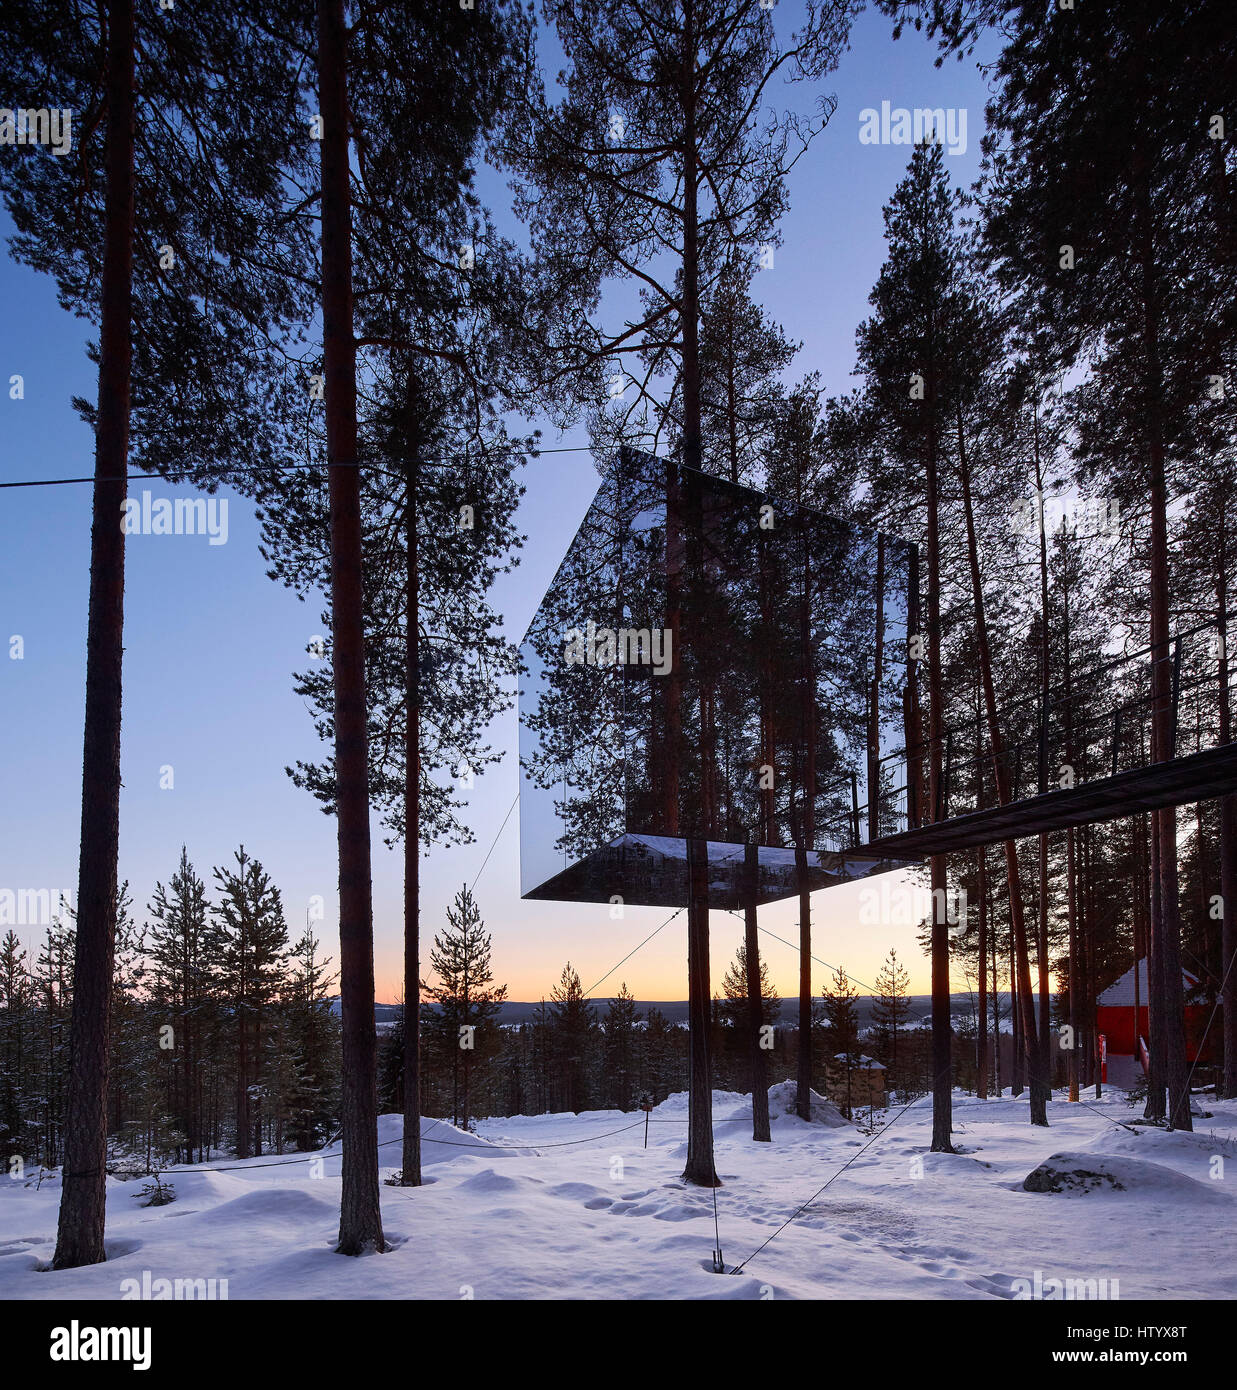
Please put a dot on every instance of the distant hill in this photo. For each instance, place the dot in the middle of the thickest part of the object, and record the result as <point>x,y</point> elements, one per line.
<point>383,1013</point>
<point>514,1012</point>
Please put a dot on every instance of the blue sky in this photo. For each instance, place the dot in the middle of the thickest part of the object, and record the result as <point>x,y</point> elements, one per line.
<point>210,643</point>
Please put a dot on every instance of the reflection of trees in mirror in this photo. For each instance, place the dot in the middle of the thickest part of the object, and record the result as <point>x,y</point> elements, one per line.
<point>779,696</point>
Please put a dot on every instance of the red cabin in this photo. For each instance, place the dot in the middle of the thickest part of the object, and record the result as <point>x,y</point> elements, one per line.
<point>1115,1015</point>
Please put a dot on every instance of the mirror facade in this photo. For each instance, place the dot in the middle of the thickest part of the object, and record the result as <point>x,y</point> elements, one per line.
<point>710,662</point>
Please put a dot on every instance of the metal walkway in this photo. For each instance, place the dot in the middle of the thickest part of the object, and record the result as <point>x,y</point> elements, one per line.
<point>1181,781</point>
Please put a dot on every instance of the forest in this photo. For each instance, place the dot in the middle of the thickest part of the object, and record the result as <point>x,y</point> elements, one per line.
<point>310,301</point>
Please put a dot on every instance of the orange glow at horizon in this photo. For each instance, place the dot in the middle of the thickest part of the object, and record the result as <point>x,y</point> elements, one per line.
<point>854,926</point>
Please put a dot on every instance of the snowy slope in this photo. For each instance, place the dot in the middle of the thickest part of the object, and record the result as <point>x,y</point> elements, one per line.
<point>573,1206</point>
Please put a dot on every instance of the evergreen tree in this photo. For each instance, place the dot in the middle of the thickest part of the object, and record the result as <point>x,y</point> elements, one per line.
<point>742,355</point>
<point>182,968</point>
<point>1105,165</point>
<point>250,948</point>
<point>433,327</point>
<point>572,1033</point>
<point>841,1030</point>
<point>620,1037</point>
<point>738,1017</point>
<point>663,1073</point>
<point>131,1038</point>
<point>312,1043</point>
<point>16,1041</point>
<point>890,1011</point>
<point>171,179</point>
<point>466,997</point>
<point>542,1045</point>
<point>914,354</point>
<point>53,980</point>
<point>734,991</point>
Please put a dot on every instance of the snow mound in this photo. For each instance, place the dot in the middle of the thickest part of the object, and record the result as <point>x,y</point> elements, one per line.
<point>1194,1149</point>
<point>676,1104</point>
<point>441,1141</point>
<point>289,1205</point>
<point>823,1112</point>
<point>1082,1172</point>
<point>489,1182</point>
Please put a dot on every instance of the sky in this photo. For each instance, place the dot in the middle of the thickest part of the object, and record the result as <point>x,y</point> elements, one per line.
<point>210,717</point>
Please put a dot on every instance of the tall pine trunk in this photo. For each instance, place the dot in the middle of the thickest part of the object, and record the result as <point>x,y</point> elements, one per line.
<point>942,1022</point>
<point>807,834</point>
<point>1045,689</point>
<point>1172,1071</point>
<point>1071,866</point>
<point>699,1169</point>
<point>874,701</point>
<point>755,998</point>
<point>1029,1031</point>
<point>1018,1056</point>
<point>360,1218</point>
<point>1228,839</point>
<point>79,1235</point>
<point>981,1031</point>
<point>996,1013</point>
<point>981,866</point>
<point>411,1171</point>
<point>242,1079</point>
<point>700,1090</point>
<point>1072,909</point>
<point>1155,1108</point>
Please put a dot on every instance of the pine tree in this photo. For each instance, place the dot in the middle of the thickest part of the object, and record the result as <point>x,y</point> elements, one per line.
<point>743,353</point>
<point>181,973</point>
<point>54,979</point>
<point>890,1011</point>
<point>250,949</point>
<point>16,1024</point>
<point>466,997</point>
<point>662,1072</point>
<point>572,1033</point>
<point>146,222</point>
<point>841,1028</point>
<point>312,1042</point>
<point>653,168</point>
<point>1109,251</point>
<point>912,354</point>
<point>434,327</point>
<point>619,1050</point>
<point>131,1033</point>
<point>734,992</point>
<point>542,1043</point>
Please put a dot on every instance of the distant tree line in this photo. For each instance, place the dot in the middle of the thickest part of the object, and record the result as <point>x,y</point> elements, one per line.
<point>223,1039</point>
<point>576,1054</point>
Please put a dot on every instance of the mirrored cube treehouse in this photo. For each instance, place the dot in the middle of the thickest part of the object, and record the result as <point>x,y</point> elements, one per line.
<point>713,664</point>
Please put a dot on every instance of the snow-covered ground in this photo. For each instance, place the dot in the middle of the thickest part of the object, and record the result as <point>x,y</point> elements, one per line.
<point>573,1206</point>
